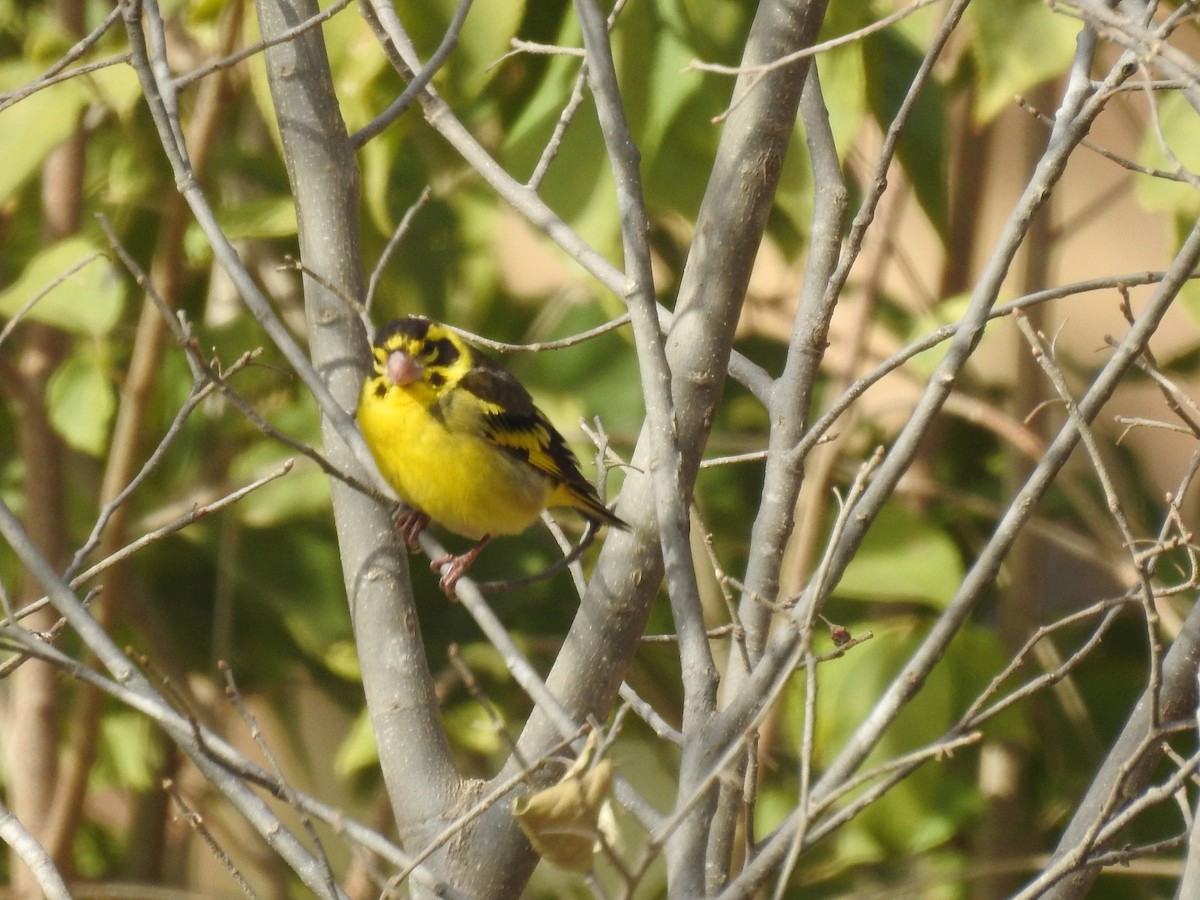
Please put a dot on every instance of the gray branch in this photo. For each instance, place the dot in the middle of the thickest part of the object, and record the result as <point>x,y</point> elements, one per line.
<point>413,750</point>
<point>33,854</point>
<point>282,840</point>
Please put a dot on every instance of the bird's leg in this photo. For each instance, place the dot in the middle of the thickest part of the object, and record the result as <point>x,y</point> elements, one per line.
<point>456,566</point>
<point>410,522</point>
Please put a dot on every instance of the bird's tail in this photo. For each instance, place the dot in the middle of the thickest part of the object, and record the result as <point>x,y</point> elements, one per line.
<point>585,500</point>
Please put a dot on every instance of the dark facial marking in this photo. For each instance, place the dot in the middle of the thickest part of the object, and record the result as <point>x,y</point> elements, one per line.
<point>440,352</point>
<point>410,327</point>
<point>413,327</point>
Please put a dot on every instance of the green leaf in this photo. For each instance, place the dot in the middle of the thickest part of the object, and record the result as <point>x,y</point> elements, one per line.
<point>655,89</point>
<point>294,573</point>
<point>468,727</point>
<point>205,11</point>
<point>579,184</point>
<point>82,400</point>
<point>1175,143</point>
<point>1189,293</point>
<point>341,659</point>
<point>484,660</point>
<point>843,71</point>
<point>891,64</point>
<point>1018,44</point>
<point>903,558</point>
<point>376,163</point>
<point>88,300</point>
<point>36,125</point>
<point>932,804</point>
<point>949,311</point>
<point>301,492</point>
<point>358,752</point>
<point>117,88</point>
<point>843,82</point>
<point>1179,145</point>
<point>484,38</point>
<point>129,753</point>
<point>267,217</point>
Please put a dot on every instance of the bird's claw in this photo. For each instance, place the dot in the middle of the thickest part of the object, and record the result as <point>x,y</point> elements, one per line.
<point>410,523</point>
<point>455,567</point>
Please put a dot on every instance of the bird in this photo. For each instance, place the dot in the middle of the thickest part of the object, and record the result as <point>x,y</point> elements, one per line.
<point>462,443</point>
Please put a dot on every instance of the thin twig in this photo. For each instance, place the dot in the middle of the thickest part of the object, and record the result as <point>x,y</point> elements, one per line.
<point>29,304</point>
<point>467,677</point>
<point>419,82</point>
<point>538,346</point>
<point>570,108</point>
<point>650,716</point>
<point>195,514</point>
<point>195,821</point>
<point>183,82</point>
<point>55,73</point>
<point>831,44</point>
<point>288,792</point>
<point>1121,161</point>
<point>1044,355</point>
<point>210,750</point>
<point>393,244</point>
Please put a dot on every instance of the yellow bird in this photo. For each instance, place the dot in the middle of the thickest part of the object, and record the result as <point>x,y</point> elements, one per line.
<point>462,443</point>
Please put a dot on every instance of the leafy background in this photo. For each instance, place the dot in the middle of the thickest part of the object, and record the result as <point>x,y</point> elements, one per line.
<point>259,585</point>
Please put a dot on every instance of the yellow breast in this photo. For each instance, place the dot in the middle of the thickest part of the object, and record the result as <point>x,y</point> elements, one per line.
<point>444,468</point>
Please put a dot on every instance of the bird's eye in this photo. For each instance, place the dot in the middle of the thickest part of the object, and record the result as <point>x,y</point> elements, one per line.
<point>440,352</point>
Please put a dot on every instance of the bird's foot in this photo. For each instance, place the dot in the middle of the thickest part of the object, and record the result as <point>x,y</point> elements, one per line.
<point>410,523</point>
<point>455,567</point>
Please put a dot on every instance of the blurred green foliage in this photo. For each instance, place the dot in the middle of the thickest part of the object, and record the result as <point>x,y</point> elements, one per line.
<point>260,584</point>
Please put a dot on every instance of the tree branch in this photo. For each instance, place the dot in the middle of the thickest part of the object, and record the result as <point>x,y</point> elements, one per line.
<point>413,750</point>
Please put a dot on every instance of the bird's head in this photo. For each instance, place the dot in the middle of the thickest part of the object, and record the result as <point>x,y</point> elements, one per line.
<point>415,350</point>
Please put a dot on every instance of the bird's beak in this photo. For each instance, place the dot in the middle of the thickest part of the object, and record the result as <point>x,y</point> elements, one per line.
<point>402,369</point>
